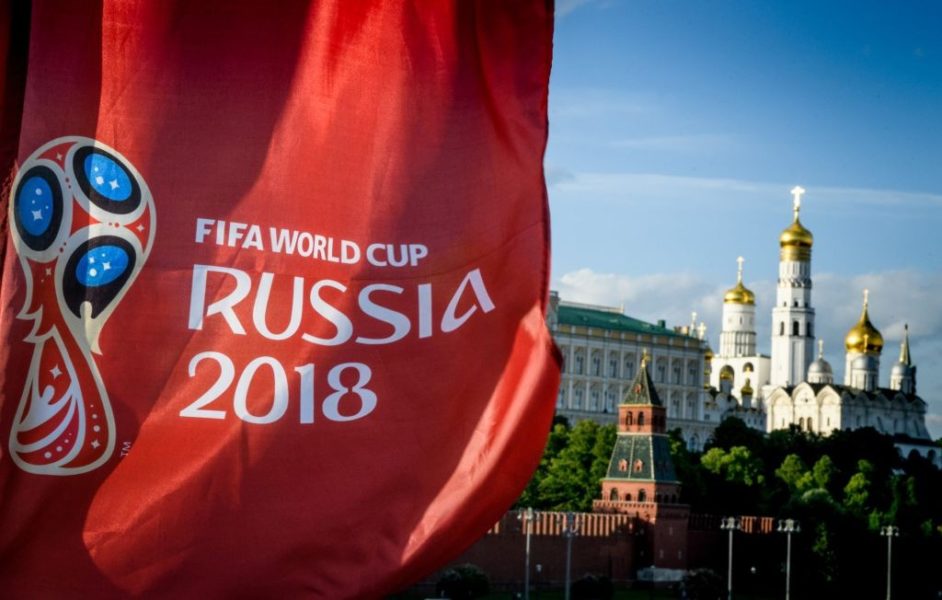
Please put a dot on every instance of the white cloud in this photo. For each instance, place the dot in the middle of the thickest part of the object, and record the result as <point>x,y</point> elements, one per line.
<point>896,298</point>
<point>556,175</point>
<point>707,189</point>
<point>658,186</point>
<point>599,104</point>
<point>564,7</point>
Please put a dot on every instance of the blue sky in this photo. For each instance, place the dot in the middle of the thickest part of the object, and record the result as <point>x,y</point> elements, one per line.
<point>677,130</point>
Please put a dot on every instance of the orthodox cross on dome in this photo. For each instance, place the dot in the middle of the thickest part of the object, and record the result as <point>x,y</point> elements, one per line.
<point>693,322</point>
<point>821,348</point>
<point>866,298</point>
<point>797,191</point>
<point>701,330</point>
<point>740,260</point>
<point>644,358</point>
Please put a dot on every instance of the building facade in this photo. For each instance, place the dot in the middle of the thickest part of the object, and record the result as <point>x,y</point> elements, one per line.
<point>797,390</point>
<point>602,350</point>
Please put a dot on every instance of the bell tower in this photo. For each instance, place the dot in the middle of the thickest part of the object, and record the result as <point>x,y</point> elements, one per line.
<point>793,316</point>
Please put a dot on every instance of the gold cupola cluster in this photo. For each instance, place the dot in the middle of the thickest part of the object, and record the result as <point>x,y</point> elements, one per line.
<point>796,241</point>
<point>739,294</point>
<point>864,338</point>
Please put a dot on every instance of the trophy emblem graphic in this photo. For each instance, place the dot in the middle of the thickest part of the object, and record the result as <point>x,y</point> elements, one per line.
<point>82,222</point>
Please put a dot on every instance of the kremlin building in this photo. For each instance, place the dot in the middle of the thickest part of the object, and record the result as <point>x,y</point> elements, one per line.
<point>793,386</point>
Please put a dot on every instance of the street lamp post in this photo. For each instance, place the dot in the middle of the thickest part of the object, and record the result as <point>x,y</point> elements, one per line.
<point>788,527</point>
<point>569,530</point>
<point>527,517</point>
<point>889,532</point>
<point>731,524</point>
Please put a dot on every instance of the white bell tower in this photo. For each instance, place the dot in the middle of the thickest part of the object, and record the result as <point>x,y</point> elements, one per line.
<point>793,316</point>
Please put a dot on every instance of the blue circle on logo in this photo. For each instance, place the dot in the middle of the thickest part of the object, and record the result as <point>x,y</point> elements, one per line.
<point>107,177</point>
<point>35,205</point>
<point>101,265</point>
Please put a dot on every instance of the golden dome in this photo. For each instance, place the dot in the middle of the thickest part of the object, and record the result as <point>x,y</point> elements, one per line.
<point>796,235</point>
<point>746,388</point>
<point>708,355</point>
<point>796,241</point>
<point>863,337</point>
<point>739,294</point>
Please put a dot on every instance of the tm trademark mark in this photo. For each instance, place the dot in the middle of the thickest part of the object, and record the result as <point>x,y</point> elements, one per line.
<point>125,448</point>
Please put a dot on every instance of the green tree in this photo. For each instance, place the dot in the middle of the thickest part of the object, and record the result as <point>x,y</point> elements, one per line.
<point>734,432</point>
<point>557,440</point>
<point>858,490</point>
<point>792,471</point>
<point>688,469</point>
<point>738,465</point>
<point>602,452</point>
<point>573,477</point>
<point>823,472</point>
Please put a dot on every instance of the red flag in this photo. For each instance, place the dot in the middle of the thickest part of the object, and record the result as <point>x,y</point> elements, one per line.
<point>273,295</point>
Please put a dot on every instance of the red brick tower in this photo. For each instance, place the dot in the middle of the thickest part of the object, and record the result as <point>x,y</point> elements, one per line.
<point>641,480</point>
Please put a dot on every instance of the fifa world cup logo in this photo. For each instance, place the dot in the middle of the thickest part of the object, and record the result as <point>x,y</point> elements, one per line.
<point>82,221</point>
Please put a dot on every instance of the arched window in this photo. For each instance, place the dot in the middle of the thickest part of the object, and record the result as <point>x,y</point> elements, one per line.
<point>623,464</point>
<point>642,496</point>
<point>627,497</point>
<point>579,363</point>
<point>795,328</point>
<point>613,365</point>
<point>630,419</point>
<point>801,423</point>
<point>596,364</point>
<point>639,465</point>
<point>640,419</point>
<point>629,368</point>
<point>613,496</point>
<point>781,328</point>
<point>810,330</point>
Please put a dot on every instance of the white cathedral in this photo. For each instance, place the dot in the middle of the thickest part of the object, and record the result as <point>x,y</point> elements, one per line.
<point>792,387</point>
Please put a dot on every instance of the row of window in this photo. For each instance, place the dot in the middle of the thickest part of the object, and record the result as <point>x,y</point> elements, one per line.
<point>578,367</point>
<point>796,329</point>
<point>597,401</point>
<point>605,401</point>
